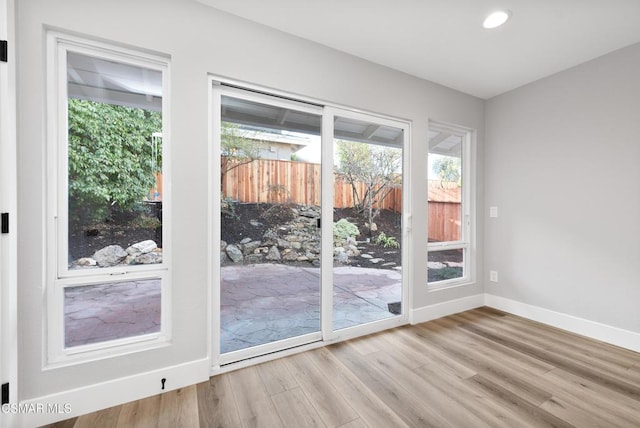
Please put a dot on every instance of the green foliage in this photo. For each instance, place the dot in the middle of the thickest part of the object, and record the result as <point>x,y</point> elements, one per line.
<point>343,229</point>
<point>387,241</point>
<point>109,157</point>
<point>372,168</point>
<point>448,168</point>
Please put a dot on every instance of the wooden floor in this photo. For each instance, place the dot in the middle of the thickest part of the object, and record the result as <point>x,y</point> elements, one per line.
<point>480,368</point>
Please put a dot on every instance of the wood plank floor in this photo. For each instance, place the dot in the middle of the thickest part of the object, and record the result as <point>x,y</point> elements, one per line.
<point>480,368</point>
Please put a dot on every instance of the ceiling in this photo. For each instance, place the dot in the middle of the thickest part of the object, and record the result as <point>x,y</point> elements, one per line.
<point>443,40</point>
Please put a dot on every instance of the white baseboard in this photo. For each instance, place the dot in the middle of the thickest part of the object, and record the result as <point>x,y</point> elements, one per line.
<point>112,393</point>
<point>439,310</point>
<point>591,329</point>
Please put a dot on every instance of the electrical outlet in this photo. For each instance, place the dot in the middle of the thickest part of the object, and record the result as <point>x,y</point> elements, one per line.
<point>493,212</point>
<point>493,276</point>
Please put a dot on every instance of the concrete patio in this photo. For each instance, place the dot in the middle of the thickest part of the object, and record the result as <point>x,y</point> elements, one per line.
<point>259,304</point>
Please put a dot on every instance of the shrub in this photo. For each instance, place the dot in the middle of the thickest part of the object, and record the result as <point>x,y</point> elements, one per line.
<point>343,229</point>
<point>387,241</point>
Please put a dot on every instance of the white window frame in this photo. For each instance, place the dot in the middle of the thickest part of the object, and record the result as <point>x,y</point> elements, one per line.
<point>468,216</point>
<point>59,276</point>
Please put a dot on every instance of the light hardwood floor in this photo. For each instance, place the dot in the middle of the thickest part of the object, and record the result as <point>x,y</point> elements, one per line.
<point>480,368</point>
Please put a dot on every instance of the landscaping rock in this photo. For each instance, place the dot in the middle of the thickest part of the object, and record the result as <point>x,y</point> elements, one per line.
<point>290,256</point>
<point>388,264</point>
<point>148,258</point>
<point>435,265</point>
<point>366,256</point>
<point>223,253</point>
<point>110,256</point>
<point>143,247</point>
<point>254,259</point>
<point>273,254</point>
<point>255,223</point>
<point>245,241</point>
<point>86,262</point>
<point>250,247</point>
<point>376,260</point>
<point>234,253</point>
<point>270,237</point>
<point>310,212</point>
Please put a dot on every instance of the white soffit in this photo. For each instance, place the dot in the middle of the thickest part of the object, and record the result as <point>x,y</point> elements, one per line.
<point>443,40</point>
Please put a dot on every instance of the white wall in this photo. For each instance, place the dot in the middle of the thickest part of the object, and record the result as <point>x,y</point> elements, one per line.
<point>562,167</point>
<point>200,40</point>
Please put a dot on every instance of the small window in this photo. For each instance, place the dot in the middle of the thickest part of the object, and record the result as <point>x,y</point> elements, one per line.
<point>110,208</point>
<point>449,219</point>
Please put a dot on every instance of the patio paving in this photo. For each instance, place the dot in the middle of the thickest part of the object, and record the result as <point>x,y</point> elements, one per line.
<point>259,304</point>
<point>267,302</point>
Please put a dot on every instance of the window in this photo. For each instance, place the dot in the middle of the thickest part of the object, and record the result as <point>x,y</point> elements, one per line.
<point>449,215</point>
<point>108,241</point>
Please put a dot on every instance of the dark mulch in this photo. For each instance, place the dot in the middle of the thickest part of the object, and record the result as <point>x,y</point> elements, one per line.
<point>122,230</point>
<point>85,241</point>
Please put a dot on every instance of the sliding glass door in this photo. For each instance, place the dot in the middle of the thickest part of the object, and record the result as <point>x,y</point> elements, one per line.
<point>270,210</point>
<point>308,238</point>
<point>367,238</point>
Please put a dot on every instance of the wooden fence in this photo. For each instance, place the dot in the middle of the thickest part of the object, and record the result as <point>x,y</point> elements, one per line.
<point>278,181</point>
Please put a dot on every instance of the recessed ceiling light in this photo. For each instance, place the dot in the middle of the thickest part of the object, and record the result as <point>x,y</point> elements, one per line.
<point>496,19</point>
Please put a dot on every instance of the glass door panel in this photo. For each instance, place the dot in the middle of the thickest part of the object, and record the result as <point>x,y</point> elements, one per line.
<point>367,230</point>
<point>269,223</point>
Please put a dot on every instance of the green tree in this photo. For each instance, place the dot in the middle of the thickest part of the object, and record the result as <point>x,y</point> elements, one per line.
<point>448,168</point>
<point>110,159</point>
<point>372,171</point>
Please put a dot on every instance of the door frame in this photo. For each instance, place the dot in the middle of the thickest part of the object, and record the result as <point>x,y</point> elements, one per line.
<point>8,204</point>
<point>219,86</point>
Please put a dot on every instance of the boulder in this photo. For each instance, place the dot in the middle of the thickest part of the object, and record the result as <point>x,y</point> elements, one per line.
<point>234,253</point>
<point>110,256</point>
<point>142,247</point>
<point>291,256</point>
<point>310,212</point>
<point>250,247</point>
<point>273,254</point>
<point>148,258</point>
<point>253,259</point>
<point>86,262</point>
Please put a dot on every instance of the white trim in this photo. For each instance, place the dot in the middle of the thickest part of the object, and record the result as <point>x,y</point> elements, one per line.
<point>100,396</point>
<point>326,232</point>
<point>439,310</point>
<point>58,275</point>
<point>468,213</point>
<point>8,204</point>
<point>591,329</point>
